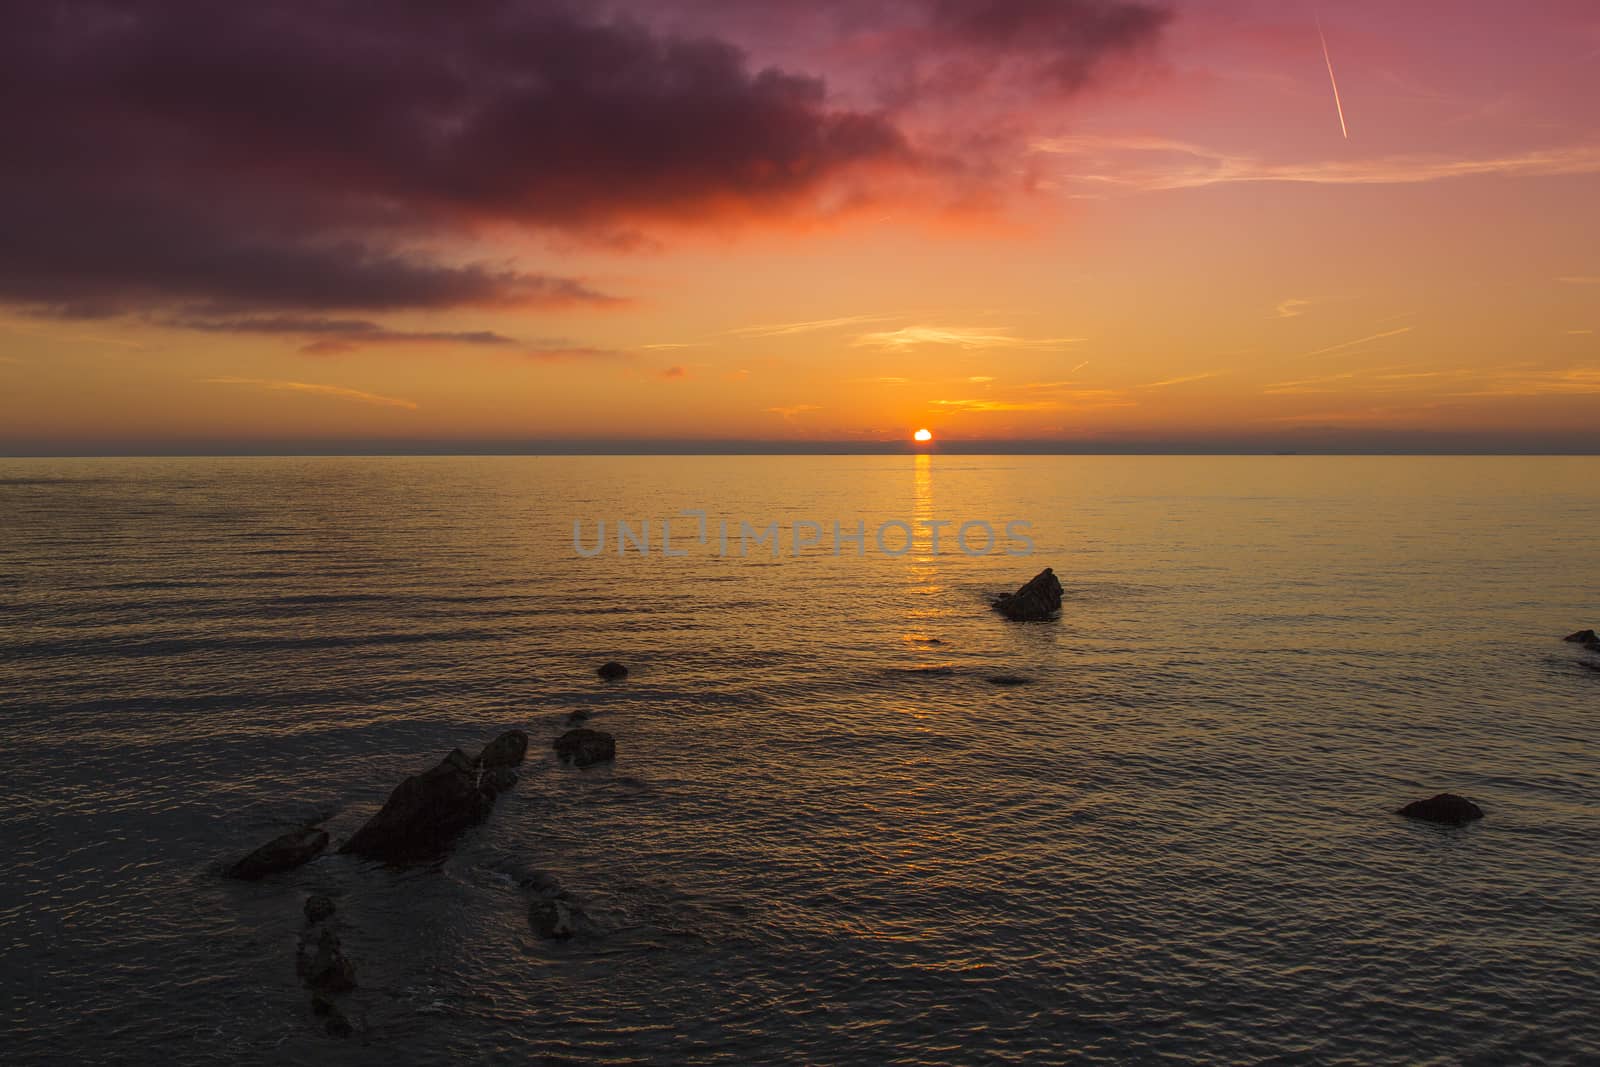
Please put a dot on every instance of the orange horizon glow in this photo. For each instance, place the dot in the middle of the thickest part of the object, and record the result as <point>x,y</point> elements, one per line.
<point>1192,252</point>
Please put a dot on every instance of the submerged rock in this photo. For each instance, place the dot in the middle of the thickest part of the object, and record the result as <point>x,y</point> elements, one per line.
<point>1445,808</point>
<point>507,750</point>
<point>281,854</point>
<point>551,918</point>
<point>424,814</point>
<point>576,716</point>
<point>318,908</point>
<point>1037,600</point>
<point>497,780</point>
<point>612,670</point>
<point>1008,679</point>
<point>1586,638</point>
<point>583,747</point>
<point>327,970</point>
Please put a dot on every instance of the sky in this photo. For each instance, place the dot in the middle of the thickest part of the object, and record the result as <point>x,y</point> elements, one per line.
<point>1079,224</point>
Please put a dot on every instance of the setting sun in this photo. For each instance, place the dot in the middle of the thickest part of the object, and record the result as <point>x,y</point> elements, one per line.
<point>922,435</point>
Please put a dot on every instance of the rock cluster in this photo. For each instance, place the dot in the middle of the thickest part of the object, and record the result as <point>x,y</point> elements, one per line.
<point>323,966</point>
<point>584,747</point>
<point>281,854</point>
<point>1038,599</point>
<point>1586,638</point>
<point>1445,808</point>
<point>426,811</point>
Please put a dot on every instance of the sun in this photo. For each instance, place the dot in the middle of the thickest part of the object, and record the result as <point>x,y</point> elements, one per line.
<point>922,435</point>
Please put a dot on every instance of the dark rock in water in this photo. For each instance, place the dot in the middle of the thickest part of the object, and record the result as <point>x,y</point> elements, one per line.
<point>507,750</point>
<point>497,780</point>
<point>1586,638</point>
<point>328,971</point>
<point>281,854</point>
<point>575,717</point>
<point>612,670</point>
<point>584,747</point>
<point>1007,679</point>
<point>322,1004</point>
<point>338,1026</point>
<point>1446,808</point>
<point>1036,601</point>
<point>551,918</point>
<point>318,908</point>
<point>424,813</point>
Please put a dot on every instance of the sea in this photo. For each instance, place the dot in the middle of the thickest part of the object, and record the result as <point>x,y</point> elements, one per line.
<point>1166,835</point>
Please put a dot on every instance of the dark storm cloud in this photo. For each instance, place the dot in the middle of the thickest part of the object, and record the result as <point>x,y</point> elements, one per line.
<point>281,156</point>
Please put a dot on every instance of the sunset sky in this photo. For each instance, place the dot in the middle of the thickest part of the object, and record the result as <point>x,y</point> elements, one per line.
<point>1101,223</point>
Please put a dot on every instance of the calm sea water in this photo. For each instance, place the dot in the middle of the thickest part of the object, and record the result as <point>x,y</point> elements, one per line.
<point>827,838</point>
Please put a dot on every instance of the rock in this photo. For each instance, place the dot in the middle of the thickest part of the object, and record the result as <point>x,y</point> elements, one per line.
<point>338,1026</point>
<point>584,747</point>
<point>507,750</point>
<point>551,918</point>
<point>328,971</point>
<point>424,814</point>
<point>1007,679</point>
<point>1036,601</point>
<point>575,717</point>
<point>1586,638</point>
<point>281,854</point>
<point>612,671</point>
<point>1446,808</point>
<point>497,780</point>
<point>322,1004</point>
<point>318,908</point>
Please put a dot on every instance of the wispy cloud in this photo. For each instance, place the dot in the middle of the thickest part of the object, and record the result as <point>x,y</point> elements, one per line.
<point>1342,345</point>
<point>794,409</point>
<point>1057,398</point>
<point>784,329</point>
<point>1148,164</point>
<point>559,353</point>
<point>1179,381</point>
<point>330,336</point>
<point>1566,381</point>
<point>1292,307</point>
<point>337,392</point>
<point>674,371</point>
<point>668,345</point>
<point>957,336</point>
<point>1307,385</point>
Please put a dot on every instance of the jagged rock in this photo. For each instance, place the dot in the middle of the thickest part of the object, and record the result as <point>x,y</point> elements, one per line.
<point>612,670</point>
<point>1007,679</point>
<point>327,970</point>
<point>281,854</point>
<point>551,918</point>
<point>507,750</point>
<point>583,747</point>
<point>424,814</point>
<point>1586,638</point>
<point>318,908</point>
<point>1037,600</point>
<point>1446,808</point>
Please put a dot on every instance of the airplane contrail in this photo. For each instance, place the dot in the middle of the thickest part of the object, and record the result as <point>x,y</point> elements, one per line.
<point>1337,103</point>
